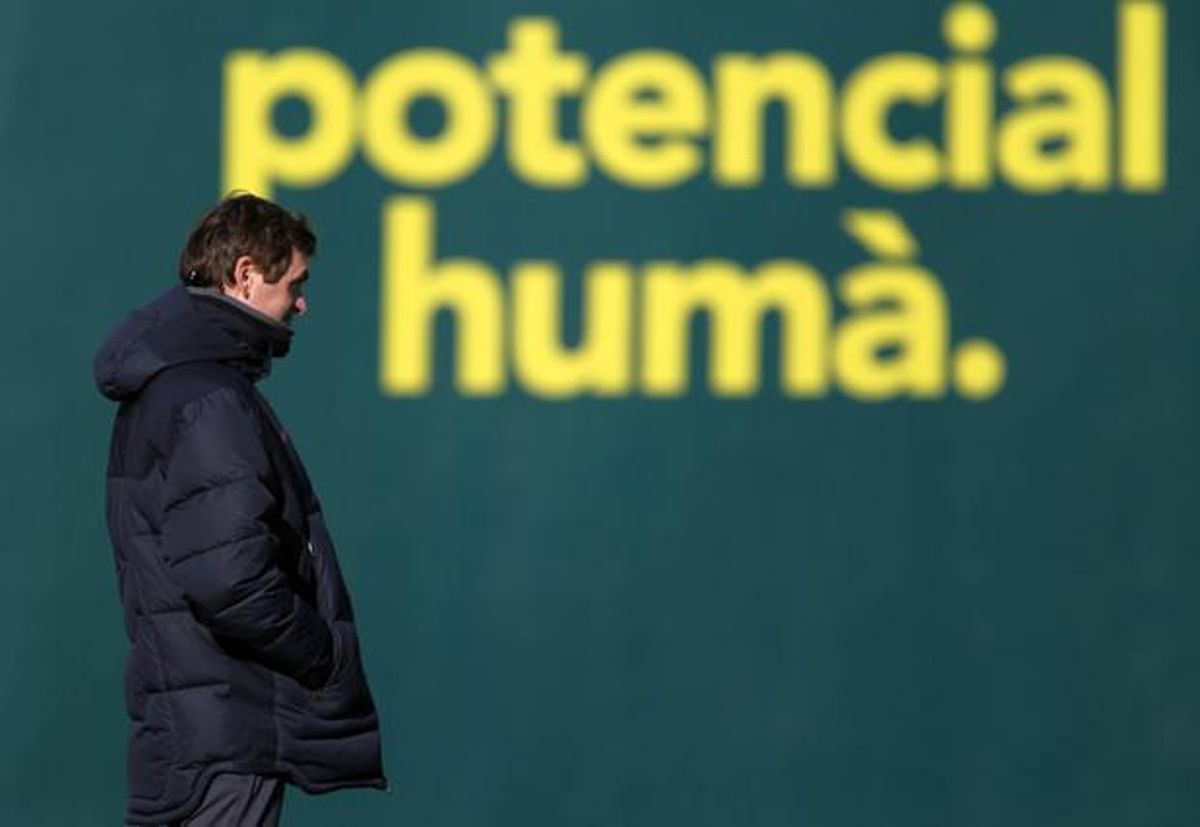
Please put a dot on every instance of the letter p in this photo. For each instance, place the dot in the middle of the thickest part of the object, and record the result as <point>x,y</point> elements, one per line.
<point>256,156</point>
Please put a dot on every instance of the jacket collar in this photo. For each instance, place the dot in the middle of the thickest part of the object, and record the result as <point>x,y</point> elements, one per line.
<point>258,335</point>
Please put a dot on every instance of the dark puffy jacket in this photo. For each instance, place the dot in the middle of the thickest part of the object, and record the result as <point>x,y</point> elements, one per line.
<point>244,652</point>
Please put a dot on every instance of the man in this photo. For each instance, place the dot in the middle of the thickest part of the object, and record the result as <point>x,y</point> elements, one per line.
<point>244,671</point>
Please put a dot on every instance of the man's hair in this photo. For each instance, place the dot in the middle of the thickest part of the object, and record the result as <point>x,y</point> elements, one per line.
<point>244,225</point>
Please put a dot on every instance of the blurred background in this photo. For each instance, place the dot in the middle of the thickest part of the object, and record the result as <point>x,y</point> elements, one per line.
<point>631,607</point>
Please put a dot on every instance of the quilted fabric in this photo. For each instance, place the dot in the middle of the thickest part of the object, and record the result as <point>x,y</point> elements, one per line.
<point>244,655</point>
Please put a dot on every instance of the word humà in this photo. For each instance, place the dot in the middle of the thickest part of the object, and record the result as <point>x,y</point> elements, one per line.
<point>893,342</point>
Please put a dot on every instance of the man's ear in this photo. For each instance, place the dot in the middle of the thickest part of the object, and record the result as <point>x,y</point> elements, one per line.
<point>242,268</point>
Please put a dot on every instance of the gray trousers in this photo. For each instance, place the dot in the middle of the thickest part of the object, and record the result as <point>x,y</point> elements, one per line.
<point>235,800</point>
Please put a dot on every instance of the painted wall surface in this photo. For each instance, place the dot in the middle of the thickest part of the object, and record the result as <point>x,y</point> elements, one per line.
<point>771,413</point>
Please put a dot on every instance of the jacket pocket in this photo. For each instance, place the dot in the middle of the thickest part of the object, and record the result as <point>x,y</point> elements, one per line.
<point>345,655</point>
<point>345,694</point>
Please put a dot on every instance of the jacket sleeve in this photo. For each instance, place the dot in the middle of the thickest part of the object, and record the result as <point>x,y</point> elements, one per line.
<point>219,548</point>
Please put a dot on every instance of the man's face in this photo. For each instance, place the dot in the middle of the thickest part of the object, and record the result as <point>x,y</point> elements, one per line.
<point>281,300</point>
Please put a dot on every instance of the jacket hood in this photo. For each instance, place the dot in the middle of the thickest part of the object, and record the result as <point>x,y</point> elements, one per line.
<point>187,324</point>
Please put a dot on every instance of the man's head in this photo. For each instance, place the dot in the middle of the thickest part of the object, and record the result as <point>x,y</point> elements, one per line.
<point>254,251</point>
